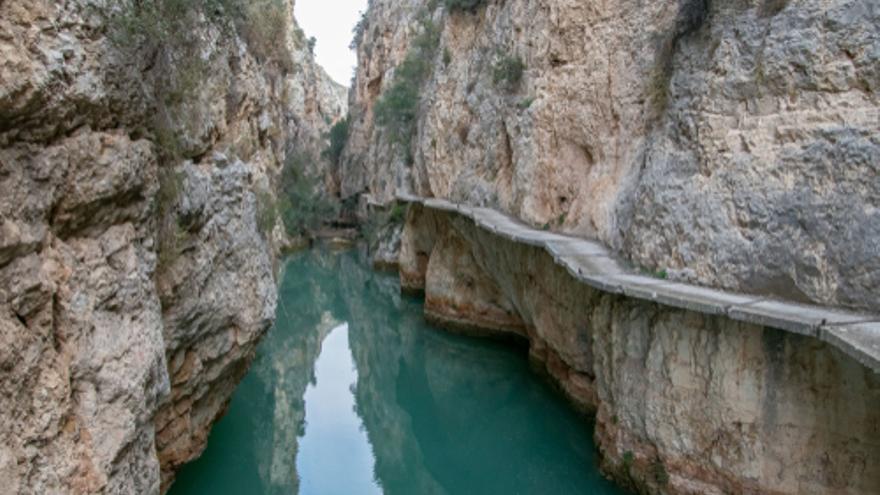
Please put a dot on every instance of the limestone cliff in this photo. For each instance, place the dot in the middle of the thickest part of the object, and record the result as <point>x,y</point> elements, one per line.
<point>726,144</point>
<point>136,259</point>
<point>685,402</point>
<point>729,144</point>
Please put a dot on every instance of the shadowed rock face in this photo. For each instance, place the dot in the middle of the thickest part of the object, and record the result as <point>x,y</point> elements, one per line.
<point>731,144</point>
<point>685,402</point>
<point>111,370</point>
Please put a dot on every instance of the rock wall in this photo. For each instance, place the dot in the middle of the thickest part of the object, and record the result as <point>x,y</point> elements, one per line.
<point>117,354</point>
<point>685,402</point>
<point>729,144</point>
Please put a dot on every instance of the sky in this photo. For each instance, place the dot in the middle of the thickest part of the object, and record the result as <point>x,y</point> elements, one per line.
<point>331,22</point>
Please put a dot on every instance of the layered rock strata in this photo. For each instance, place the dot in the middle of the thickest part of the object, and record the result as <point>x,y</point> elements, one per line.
<point>729,144</point>
<point>686,400</point>
<point>121,339</point>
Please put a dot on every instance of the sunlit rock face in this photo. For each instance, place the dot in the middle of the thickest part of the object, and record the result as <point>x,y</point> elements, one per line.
<point>112,370</point>
<point>685,402</point>
<point>728,143</point>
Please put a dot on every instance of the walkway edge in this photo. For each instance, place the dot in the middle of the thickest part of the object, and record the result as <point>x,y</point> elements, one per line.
<point>590,262</point>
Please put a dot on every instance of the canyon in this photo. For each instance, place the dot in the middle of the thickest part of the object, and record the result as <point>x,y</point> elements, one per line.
<point>674,204</point>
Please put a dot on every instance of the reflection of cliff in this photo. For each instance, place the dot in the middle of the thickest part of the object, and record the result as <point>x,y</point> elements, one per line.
<point>257,442</point>
<point>301,326</point>
<point>447,414</point>
<point>443,414</point>
<point>379,341</point>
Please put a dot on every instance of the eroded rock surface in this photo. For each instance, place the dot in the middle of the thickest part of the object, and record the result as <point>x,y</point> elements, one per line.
<point>685,402</point>
<point>117,355</point>
<point>729,144</point>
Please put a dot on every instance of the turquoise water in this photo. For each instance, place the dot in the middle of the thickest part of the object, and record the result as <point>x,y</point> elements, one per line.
<point>352,393</point>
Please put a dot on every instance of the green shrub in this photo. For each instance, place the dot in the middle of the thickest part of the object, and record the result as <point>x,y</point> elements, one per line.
<point>358,32</point>
<point>170,237</point>
<point>769,8</point>
<point>508,71</point>
<point>267,213</point>
<point>162,29</point>
<point>525,103</point>
<point>303,206</point>
<point>447,57</point>
<point>464,5</point>
<point>379,221</point>
<point>170,189</point>
<point>168,24</point>
<point>397,109</point>
<point>398,213</point>
<point>657,91</point>
<point>659,471</point>
<point>265,25</point>
<point>338,137</point>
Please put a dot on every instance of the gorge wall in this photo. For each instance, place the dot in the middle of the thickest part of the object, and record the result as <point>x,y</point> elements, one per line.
<point>729,144</point>
<point>685,402</point>
<point>138,150</point>
<point>732,145</point>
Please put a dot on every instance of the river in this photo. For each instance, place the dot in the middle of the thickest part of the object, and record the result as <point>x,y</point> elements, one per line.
<point>352,392</point>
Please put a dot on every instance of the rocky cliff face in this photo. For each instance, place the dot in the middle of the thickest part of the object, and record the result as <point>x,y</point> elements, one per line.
<point>135,273</point>
<point>730,144</point>
<point>684,402</point>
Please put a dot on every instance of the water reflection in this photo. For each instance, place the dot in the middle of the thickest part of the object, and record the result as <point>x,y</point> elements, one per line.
<point>334,457</point>
<point>390,405</point>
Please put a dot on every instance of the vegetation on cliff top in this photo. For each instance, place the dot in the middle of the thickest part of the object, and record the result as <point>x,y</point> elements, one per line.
<point>168,26</point>
<point>165,39</point>
<point>164,36</point>
<point>397,109</point>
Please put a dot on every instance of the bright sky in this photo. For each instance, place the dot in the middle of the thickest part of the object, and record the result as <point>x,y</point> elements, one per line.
<point>331,22</point>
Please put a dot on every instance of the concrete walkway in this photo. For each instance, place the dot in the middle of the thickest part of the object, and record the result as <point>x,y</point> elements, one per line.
<point>590,262</point>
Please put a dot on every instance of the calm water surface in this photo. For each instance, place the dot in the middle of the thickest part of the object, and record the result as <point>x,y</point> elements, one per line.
<point>352,393</point>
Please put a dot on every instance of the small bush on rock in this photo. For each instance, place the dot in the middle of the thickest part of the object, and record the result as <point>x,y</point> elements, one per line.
<point>464,5</point>
<point>660,474</point>
<point>267,213</point>
<point>171,237</point>
<point>264,25</point>
<point>508,71</point>
<point>358,32</point>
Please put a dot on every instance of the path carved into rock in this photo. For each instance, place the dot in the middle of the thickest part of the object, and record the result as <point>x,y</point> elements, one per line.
<point>592,263</point>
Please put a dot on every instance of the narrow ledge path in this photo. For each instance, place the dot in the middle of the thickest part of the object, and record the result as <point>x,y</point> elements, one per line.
<point>592,263</point>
